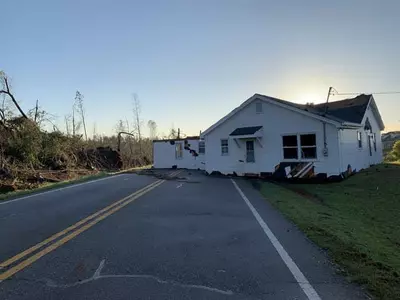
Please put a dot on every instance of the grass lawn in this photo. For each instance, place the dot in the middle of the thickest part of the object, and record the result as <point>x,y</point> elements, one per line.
<point>357,221</point>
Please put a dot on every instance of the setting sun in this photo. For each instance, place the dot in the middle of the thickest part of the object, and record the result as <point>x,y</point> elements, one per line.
<point>309,97</point>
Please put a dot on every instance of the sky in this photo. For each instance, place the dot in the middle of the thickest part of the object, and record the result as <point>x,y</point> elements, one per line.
<point>192,62</point>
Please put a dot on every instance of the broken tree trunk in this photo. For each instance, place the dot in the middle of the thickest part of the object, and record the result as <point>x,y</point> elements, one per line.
<point>8,93</point>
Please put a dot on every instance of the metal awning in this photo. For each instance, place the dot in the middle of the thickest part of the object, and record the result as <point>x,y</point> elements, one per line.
<point>252,132</point>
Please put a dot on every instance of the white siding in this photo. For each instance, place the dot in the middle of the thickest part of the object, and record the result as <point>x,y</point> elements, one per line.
<point>359,158</point>
<point>164,155</point>
<point>276,121</point>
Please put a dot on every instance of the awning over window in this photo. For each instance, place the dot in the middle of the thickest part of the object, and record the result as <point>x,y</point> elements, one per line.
<point>246,132</point>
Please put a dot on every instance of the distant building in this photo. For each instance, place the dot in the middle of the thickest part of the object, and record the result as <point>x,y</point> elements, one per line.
<point>389,138</point>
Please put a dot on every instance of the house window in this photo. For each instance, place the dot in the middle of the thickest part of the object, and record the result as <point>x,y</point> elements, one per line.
<point>308,144</point>
<point>178,150</point>
<point>259,108</point>
<point>290,149</point>
<point>224,147</point>
<point>297,146</point>
<point>202,147</point>
<point>250,151</point>
<point>374,138</point>
<point>359,139</point>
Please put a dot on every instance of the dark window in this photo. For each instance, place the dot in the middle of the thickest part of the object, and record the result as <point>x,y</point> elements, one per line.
<point>369,145</point>
<point>290,149</point>
<point>308,143</point>
<point>306,149</point>
<point>374,136</point>
<point>289,141</point>
<point>250,151</point>
<point>290,153</point>
<point>309,152</point>
<point>308,140</point>
<point>359,139</point>
<point>202,147</point>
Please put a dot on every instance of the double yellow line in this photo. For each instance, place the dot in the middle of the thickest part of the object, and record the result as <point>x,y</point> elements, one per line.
<point>70,232</point>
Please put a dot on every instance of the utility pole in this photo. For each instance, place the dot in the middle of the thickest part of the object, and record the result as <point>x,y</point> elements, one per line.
<point>327,99</point>
<point>36,110</point>
<point>325,150</point>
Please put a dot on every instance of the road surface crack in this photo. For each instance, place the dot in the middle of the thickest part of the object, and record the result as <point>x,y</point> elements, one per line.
<point>97,276</point>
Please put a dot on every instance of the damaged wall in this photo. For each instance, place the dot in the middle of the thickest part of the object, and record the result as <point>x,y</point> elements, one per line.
<point>166,154</point>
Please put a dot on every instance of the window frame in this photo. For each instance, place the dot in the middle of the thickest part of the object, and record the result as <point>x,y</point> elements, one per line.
<point>359,139</point>
<point>290,147</point>
<point>374,137</point>
<point>224,147</point>
<point>178,152</point>
<point>202,145</point>
<point>308,146</point>
<point>299,147</point>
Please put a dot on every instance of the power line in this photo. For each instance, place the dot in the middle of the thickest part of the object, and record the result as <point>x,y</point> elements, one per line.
<point>377,93</point>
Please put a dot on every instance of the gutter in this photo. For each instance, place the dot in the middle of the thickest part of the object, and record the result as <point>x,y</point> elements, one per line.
<point>350,125</point>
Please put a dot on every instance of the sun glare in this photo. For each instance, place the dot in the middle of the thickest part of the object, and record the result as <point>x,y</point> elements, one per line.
<point>309,97</point>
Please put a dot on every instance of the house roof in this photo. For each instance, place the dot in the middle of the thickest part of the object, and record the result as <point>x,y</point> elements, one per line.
<point>177,140</point>
<point>349,110</point>
<point>245,130</point>
<point>339,113</point>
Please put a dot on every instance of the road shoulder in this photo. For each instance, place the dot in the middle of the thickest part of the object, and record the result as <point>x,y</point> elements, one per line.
<point>311,260</point>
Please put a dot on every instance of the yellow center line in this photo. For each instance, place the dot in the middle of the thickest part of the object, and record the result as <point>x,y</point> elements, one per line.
<point>28,251</point>
<point>22,265</point>
<point>72,227</point>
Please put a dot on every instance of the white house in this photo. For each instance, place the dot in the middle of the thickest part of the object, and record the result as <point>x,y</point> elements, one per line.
<point>187,153</point>
<point>265,135</point>
<point>268,136</point>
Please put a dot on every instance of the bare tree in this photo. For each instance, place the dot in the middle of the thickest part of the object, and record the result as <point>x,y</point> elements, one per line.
<point>173,133</point>
<point>127,125</point>
<point>120,126</point>
<point>94,131</point>
<point>67,120</point>
<point>42,118</point>
<point>81,110</point>
<point>73,121</point>
<point>152,129</point>
<point>6,90</point>
<point>137,121</point>
<point>3,110</point>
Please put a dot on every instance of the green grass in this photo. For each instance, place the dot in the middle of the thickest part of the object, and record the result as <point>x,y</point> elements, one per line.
<point>357,221</point>
<point>49,186</point>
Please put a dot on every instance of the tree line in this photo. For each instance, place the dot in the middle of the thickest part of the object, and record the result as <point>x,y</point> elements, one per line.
<point>32,139</point>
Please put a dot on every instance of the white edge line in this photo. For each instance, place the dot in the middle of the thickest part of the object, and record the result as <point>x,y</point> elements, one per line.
<point>305,285</point>
<point>3,202</point>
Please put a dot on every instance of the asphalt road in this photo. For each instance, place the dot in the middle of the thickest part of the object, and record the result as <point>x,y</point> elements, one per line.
<point>196,237</point>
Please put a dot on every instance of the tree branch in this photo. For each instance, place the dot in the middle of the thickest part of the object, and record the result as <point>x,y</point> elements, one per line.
<point>7,92</point>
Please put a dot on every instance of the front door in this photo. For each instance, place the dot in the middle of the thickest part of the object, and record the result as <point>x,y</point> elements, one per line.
<point>250,166</point>
<point>250,158</point>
